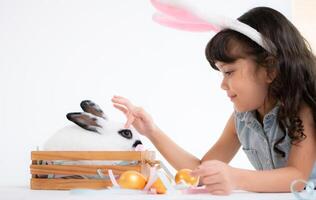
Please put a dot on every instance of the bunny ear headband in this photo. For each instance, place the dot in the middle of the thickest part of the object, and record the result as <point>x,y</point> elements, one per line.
<point>180,15</point>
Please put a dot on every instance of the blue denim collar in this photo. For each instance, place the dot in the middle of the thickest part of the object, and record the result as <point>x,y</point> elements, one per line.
<point>251,121</point>
<point>250,115</point>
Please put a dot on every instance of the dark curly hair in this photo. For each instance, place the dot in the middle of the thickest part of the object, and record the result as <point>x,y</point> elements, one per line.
<point>293,61</point>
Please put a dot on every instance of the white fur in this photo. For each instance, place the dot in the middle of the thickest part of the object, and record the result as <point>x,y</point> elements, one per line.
<point>75,138</point>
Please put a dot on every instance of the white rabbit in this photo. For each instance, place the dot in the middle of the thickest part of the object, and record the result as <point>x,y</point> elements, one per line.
<point>95,132</point>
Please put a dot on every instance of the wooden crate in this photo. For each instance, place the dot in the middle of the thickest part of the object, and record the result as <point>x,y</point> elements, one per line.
<point>38,170</point>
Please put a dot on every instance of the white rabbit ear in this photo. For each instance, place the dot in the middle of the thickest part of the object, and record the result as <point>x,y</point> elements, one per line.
<point>86,120</point>
<point>91,107</point>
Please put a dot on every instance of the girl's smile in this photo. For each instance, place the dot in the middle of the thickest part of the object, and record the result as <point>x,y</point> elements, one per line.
<point>231,97</point>
<point>245,83</point>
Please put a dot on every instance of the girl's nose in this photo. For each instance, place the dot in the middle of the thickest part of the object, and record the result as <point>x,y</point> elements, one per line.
<point>224,84</point>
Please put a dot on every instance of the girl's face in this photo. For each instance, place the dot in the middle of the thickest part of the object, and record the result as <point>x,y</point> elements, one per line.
<point>245,83</point>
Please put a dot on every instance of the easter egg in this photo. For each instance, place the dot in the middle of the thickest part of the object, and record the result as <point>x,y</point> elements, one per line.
<point>159,186</point>
<point>184,175</point>
<point>132,180</point>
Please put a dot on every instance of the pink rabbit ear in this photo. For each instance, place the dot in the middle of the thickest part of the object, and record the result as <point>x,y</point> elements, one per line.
<point>176,12</point>
<point>182,25</point>
<point>176,17</point>
<point>181,15</point>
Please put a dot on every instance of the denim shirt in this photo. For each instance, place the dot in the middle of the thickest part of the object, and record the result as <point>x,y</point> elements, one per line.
<point>258,141</point>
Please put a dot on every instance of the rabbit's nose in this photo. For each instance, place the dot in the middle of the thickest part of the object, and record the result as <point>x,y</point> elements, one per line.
<point>137,142</point>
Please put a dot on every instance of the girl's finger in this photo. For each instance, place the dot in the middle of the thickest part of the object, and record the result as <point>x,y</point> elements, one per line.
<point>130,120</point>
<point>123,101</point>
<point>204,171</point>
<point>121,108</point>
<point>130,117</point>
<point>213,179</point>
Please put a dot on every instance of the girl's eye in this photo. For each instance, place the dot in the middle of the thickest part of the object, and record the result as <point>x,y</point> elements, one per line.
<point>126,133</point>
<point>228,73</point>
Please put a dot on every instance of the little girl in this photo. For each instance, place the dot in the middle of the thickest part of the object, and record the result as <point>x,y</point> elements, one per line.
<point>274,97</point>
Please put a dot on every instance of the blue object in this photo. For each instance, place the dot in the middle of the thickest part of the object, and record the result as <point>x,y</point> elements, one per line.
<point>308,194</point>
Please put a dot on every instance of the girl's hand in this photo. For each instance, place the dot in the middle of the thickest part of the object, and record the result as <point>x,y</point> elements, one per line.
<point>136,116</point>
<point>217,177</point>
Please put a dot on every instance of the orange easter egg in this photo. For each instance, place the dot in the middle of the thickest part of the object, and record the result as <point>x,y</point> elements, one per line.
<point>184,175</point>
<point>132,180</point>
<point>159,186</point>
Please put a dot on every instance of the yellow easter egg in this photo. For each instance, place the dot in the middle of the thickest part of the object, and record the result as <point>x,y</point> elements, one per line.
<point>184,175</point>
<point>159,186</point>
<point>132,180</point>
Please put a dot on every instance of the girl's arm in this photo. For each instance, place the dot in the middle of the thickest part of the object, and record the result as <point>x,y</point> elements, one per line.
<point>144,124</point>
<point>173,153</point>
<point>224,149</point>
<point>276,180</point>
<point>226,146</point>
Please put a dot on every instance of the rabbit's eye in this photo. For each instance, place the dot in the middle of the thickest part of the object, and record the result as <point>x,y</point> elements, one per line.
<point>126,133</point>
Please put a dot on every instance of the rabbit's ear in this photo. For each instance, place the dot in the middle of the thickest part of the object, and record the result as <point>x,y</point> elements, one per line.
<point>86,121</point>
<point>90,107</point>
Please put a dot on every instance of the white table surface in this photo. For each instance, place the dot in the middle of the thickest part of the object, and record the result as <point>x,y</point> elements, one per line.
<point>23,192</point>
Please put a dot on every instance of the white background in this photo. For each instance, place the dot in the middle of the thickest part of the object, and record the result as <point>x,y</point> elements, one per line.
<point>53,54</point>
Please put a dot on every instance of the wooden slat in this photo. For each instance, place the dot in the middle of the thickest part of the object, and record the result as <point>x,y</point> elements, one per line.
<point>90,155</point>
<point>67,184</point>
<point>148,155</point>
<point>33,163</point>
<point>80,169</point>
